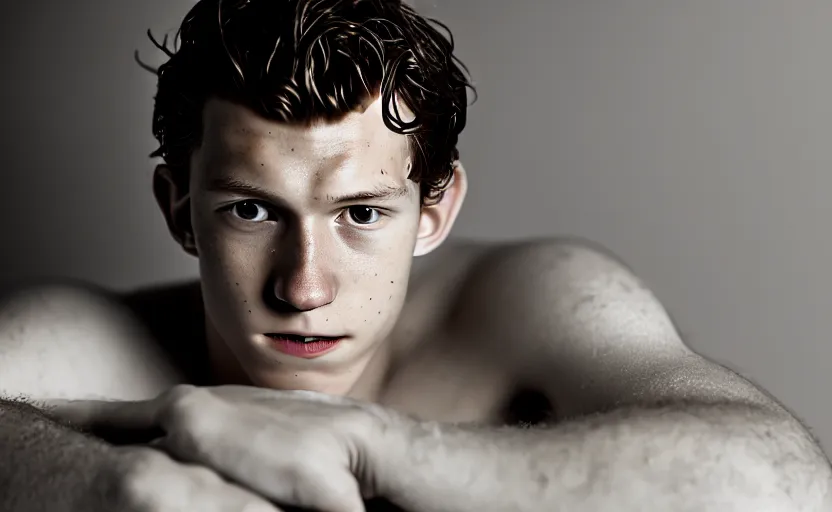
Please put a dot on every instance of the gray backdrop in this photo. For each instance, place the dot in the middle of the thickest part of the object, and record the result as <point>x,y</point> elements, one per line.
<point>694,139</point>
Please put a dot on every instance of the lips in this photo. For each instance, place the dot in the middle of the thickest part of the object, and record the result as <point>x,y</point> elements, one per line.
<point>303,345</point>
<point>301,338</point>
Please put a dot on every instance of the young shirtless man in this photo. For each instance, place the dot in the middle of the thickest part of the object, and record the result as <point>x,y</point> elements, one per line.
<point>310,155</point>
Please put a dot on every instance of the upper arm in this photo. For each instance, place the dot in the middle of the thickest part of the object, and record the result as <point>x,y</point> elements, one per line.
<point>73,341</point>
<point>573,321</point>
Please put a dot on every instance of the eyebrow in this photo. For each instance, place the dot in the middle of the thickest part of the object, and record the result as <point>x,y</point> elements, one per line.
<point>378,193</point>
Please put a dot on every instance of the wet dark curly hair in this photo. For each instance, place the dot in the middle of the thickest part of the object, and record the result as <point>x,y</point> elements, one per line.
<point>299,61</point>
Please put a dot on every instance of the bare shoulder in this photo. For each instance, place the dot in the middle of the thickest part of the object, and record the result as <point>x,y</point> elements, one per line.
<point>569,318</point>
<point>73,339</point>
<point>568,282</point>
<point>561,304</point>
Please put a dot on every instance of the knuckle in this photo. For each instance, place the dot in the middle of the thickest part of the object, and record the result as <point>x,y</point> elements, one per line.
<point>141,475</point>
<point>183,402</point>
<point>203,476</point>
<point>192,419</point>
<point>179,393</point>
<point>153,482</point>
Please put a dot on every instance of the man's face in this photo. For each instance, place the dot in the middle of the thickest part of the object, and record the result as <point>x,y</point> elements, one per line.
<point>302,232</point>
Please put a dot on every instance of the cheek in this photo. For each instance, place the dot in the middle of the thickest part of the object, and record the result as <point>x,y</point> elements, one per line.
<point>231,271</point>
<point>226,284</point>
<point>380,284</point>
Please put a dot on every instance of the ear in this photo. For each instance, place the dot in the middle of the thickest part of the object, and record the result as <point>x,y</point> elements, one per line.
<point>437,220</point>
<point>174,200</point>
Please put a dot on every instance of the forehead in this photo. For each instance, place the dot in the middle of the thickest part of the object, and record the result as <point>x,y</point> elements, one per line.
<point>235,134</point>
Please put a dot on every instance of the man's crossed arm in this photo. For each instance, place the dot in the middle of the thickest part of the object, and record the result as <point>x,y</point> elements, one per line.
<point>644,422</point>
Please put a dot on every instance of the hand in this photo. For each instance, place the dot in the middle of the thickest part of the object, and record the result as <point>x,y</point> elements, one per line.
<point>297,448</point>
<point>148,480</point>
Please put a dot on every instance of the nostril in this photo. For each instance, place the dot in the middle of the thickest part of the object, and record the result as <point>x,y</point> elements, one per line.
<point>298,291</point>
<point>279,305</point>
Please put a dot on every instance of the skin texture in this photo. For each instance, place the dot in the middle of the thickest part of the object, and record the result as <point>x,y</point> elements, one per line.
<point>628,413</point>
<point>427,404</point>
<point>304,264</point>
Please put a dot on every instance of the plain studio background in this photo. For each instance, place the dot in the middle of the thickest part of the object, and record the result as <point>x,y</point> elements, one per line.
<point>694,139</point>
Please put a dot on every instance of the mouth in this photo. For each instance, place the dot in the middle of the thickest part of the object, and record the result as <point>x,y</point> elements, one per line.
<point>303,346</point>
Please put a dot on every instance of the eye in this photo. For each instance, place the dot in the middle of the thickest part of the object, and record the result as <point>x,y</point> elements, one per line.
<point>363,214</point>
<point>250,211</point>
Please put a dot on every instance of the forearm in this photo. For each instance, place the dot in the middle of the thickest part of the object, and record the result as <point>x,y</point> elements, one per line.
<point>46,466</point>
<point>673,458</point>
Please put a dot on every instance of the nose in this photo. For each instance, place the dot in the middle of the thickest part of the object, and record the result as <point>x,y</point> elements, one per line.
<point>303,281</point>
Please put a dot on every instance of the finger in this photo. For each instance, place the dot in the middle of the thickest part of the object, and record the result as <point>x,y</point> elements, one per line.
<point>227,497</point>
<point>335,493</point>
<point>237,393</point>
<point>106,415</point>
<point>173,449</point>
<point>252,394</point>
<point>200,488</point>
